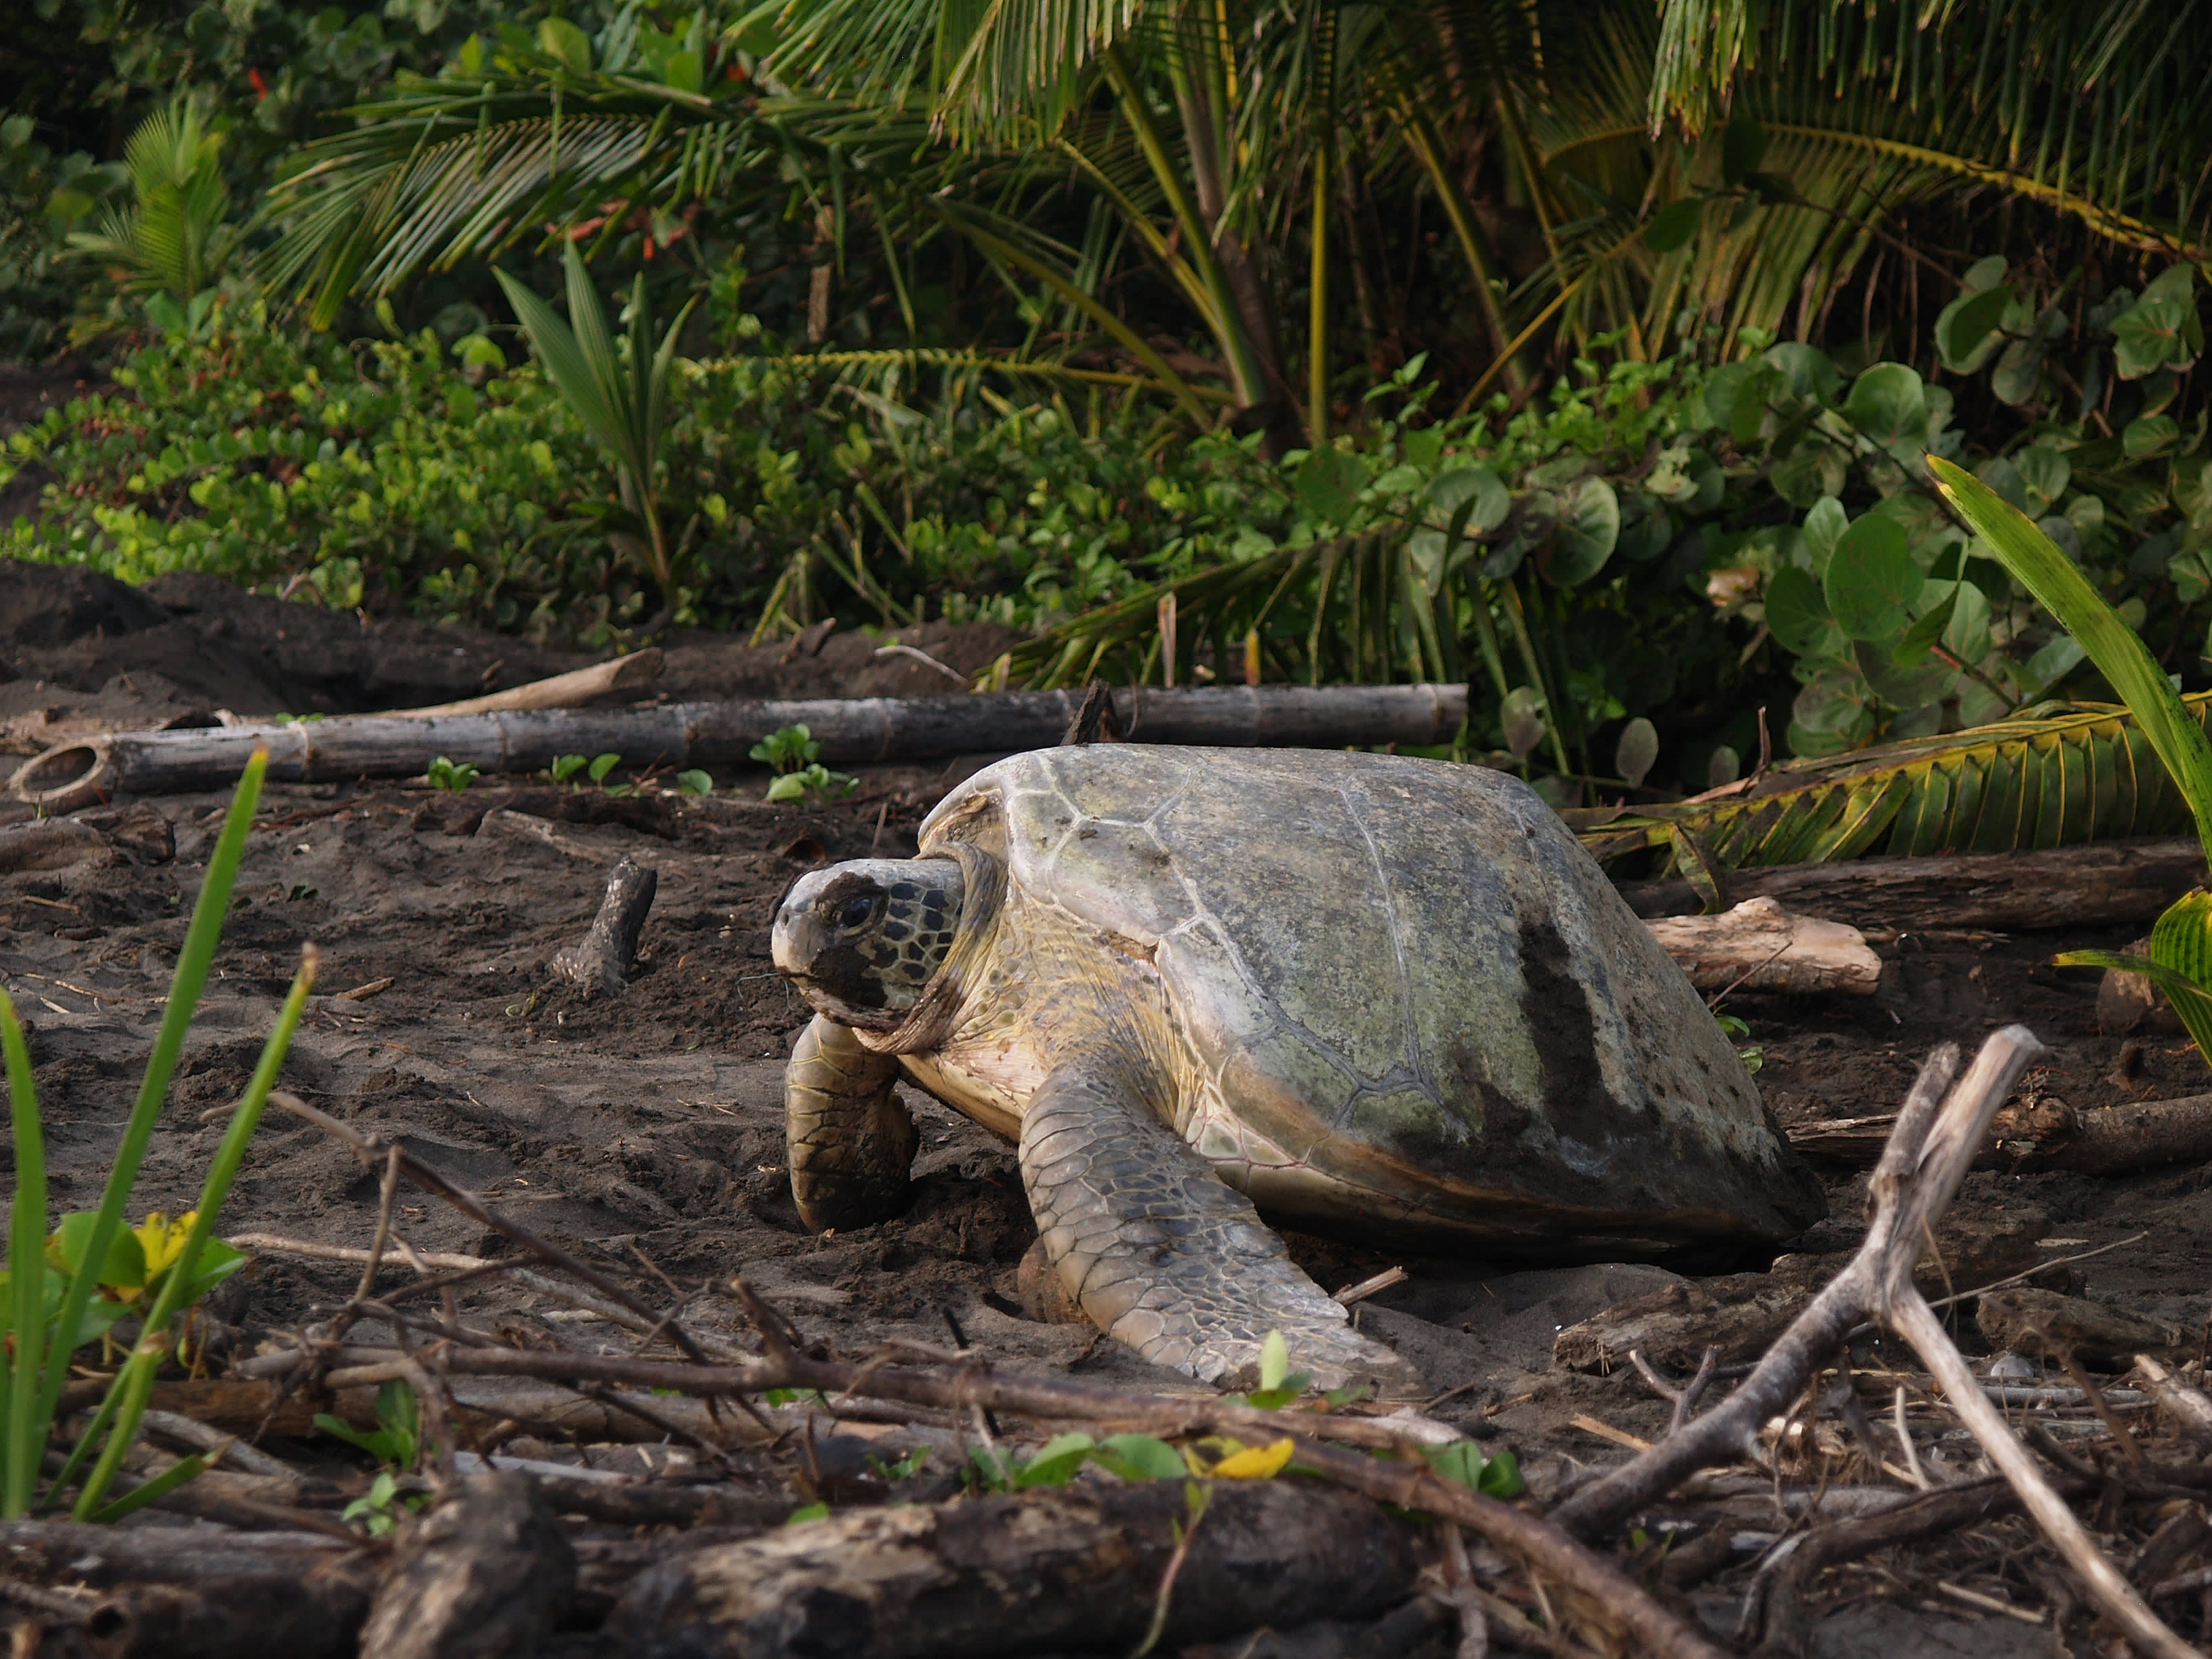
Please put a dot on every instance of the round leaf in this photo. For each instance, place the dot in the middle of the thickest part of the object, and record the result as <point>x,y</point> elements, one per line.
<point>1824,528</point>
<point>2044,475</point>
<point>1588,529</point>
<point>2149,434</point>
<point>1638,749</point>
<point>1523,721</point>
<point>1967,328</point>
<point>1889,404</point>
<point>1797,611</point>
<point>1871,580</point>
<point>1477,484</point>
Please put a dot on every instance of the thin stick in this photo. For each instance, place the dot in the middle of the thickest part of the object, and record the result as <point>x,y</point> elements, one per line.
<point>1904,1441</point>
<point>1914,1320</point>
<point>366,1147</point>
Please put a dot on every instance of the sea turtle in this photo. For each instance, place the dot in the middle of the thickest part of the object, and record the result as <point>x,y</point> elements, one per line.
<point>1379,996</point>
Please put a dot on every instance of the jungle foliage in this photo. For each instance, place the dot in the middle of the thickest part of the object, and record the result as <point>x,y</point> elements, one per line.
<point>1591,356</point>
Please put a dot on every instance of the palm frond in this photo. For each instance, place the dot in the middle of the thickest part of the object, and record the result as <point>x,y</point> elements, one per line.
<point>2087,774</point>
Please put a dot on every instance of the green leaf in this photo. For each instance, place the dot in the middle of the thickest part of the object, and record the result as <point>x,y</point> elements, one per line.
<point>1797,611</point>
<point>177,1474</point>
<point>2044,474</point>
<point>565,43</point>
<point>1274,1360</point>
<point>1872,578</point>
<point>1588,530</point>
<point>1743,146</point>
<point>2120,656</point>
<point>601,765</point>
<point>1329,485</point>
<point>1477,490</point>
<point>1823,528</point>
<point>1056,1462</point>
<point>2161,330</point>
<point>791,786</point>
<point>124,1267</point>
<point>1674,225</point>
<point>2149,434</point>
<point>1636,752</point>
<point>1920,639</point>
<point>806,1512</point>
<point>1889,404</point>
<point>694,781</point>
<point>1967,328</point>
<point>1139,1457</point>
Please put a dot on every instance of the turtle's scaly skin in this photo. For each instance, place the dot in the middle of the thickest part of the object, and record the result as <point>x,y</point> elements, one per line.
<point>1386,996</point>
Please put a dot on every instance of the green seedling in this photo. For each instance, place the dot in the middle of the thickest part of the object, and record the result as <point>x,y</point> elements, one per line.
<point>566,766</point>
<point>806,1512</point>
<point>378,1511</point>
<point>905,1468</point>
<point>444,774</point>
<point>60,1294</point>
<point>1734,1030</point>
<point>814,780</point>
<point>695,782</point>
<point>2180,959</point>
<point>787,749</point>
<point>1462,1463</point>
<point>396,1439</point>
<point>595,768</point>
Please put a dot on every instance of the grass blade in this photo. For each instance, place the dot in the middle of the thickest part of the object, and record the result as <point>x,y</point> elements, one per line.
<point>26,1258</point>
<point>160,1485</point>
<point>136,1382</point>
<point>189,978</point>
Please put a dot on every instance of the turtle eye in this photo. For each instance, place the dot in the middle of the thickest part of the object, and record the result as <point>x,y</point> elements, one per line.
<point>856,914</point>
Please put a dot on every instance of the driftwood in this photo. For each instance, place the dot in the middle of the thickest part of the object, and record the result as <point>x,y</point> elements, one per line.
<point>71,775</point>
<point>1936,1135</point>
<point>2188,1407</point>
<point>267,1614</point>
<point>570,691</point>
<point>2105,883</point>
<point>1080,1567</point>
<point>1760,947</point>
<point>1740,1315</point>
<point>2045,1325</point>
<point>2042,1132</point>
<point>599,963</point>
<point>485,1575</point>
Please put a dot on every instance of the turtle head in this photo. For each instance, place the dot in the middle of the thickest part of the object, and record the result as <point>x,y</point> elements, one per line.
<point>862,941</point>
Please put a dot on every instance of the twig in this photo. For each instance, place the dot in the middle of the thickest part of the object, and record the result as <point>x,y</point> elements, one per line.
<point>367,1147</point>
<point>1731,1429</point>
<point>1196,1498</point>
<point>1684,1399</point>
<point>1904,1442</point>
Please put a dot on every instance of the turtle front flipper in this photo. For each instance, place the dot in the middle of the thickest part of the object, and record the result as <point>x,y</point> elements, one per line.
<point>1158,1250</point>
<point>851,1140</point>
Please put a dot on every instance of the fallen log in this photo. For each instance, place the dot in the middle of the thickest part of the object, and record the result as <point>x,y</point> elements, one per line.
<point>1081,1567</point>
<point>74,774</point>
<point>486,1574</point>
<point>2045,1325</point>
<point>268,1613</point>
<point>2104,883</point>
<point>570,691</point>
<point>1760,947</point>
<point>2043,1132</point>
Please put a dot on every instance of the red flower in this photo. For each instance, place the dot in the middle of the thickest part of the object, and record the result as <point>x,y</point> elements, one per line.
<point>260,86</point>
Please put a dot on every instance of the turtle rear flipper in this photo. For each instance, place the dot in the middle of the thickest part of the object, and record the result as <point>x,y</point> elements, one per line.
<point>1159,1252</point>
<point>850,1138</point>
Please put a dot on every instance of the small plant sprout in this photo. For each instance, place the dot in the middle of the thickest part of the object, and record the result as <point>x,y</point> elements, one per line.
<point>600,766</point>
<point>695,782</point>
<point>2180,959</point>
<point>59,1293</point>
<point>814,780</point>
<point>566,766</point>
<point>787,749</point>
<point>446,775</point>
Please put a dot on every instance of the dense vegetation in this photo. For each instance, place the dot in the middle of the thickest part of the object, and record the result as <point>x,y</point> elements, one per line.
<point>1592,357</point>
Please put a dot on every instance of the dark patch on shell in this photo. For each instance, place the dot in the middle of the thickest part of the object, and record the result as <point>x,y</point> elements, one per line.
<point>1556,1004</point>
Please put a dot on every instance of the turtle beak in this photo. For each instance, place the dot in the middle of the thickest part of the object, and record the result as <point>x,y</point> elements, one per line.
<point>796,939</point>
